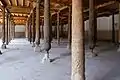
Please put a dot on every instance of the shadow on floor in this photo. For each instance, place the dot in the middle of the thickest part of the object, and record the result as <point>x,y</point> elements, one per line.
<point>63,55</point>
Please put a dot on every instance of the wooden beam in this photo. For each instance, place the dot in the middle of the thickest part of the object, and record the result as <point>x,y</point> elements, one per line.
<point>10,2</point>
<point>102,5</point>
<point>18,9</point>
<point>16,2</point>
<point>23,3</point>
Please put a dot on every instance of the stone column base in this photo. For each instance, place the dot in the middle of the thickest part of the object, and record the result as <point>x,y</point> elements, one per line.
<point>118,50</point>
<point>3,46</point>
<point>37,49</point>
<point>69,48</point>
<point>93,53</point>
<point>33,45</point>
<point>0,52</point>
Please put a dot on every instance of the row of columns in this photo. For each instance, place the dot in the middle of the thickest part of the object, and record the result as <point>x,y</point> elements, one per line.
<point>77,47</point>
<point>8,29</point>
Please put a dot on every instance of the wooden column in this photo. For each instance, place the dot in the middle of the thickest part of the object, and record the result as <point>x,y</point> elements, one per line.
<point>26,31</point>
<point>30,30</point>
<point>113,28</point>
<point>69,28</point>
<point>47,30</point>
<point>37,40</point>
<point>78,51</point>
<point>47,25</point>
<point>58,28</point>
<point>55,32</point>
<point>119,30</point>
<point>33,28</point>
<point>7,27</point>
<point>42,29</point>
<point>3,31</point>
<point>92,27</point>
<point>14,30</point>
<point>62,32</point>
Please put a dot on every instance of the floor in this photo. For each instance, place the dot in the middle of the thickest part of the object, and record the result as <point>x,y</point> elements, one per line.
<point>20,62</point>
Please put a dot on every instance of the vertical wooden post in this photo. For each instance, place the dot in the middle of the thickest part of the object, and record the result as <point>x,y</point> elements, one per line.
<point>62,32</point>
<point>42,29</point>
<point>69,28</point>
<point>30,30</point>
<point>55,31</point>
<point>92,27</point>
<point>7,25</point>
<point>33,28</point>
<point>47,30</point>
<point>58,28</point>
<point>119,29</point>
<point>37,40</point>
<point>14,30</point>
<point>113,28</point>
<point>78,51</point>
<point>26,31</point>
<point>47,24</point>
<point>3,31</point>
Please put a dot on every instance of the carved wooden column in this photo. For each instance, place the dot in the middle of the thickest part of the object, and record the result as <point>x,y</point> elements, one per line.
<point>113,28</point>
<point>78,50</point>
<point>33,28</point>
<point>69,28</point>
<point>55,31</point>
<point>30,29</point>
<point>119,30</point>
<point>42,29</point>
<point>62,32</point>
<point>7,27</point>
<point>92,27</point>
<point>26,31</point>
<point>47,30</point>
<point>37,39</point>
<point>13,30</point>
<point>58,28</point>
<point>3,31</point>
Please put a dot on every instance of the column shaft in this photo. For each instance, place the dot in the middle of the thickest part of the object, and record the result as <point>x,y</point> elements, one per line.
<point>42,29</point>
<point>58,28</point>
<point>37,40</point>
<point>33,26</point>
<point>113,28</point>
<point>30,30</point>
<point>92,31</point>
<point>69,28</point>
<point>78,51</point>
<point>47,25</point>
<point>119,30</point>
<point>7,27</point>
<point>3,27</point>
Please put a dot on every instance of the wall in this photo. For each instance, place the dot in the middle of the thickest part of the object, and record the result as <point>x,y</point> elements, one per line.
<point>104,28</point>
<point>20,31</point>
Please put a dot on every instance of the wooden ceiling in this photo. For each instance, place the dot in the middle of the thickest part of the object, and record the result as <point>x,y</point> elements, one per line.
<point>21,9</point>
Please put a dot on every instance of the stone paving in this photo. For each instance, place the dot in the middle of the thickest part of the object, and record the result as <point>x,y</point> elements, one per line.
<point>20,62</point>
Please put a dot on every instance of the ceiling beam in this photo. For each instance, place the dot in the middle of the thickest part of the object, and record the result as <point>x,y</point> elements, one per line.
<point>18,9</point>
<point>10,2</point>
<point>16,2</point>
<point>23,2</point>
<point>102,5</point>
